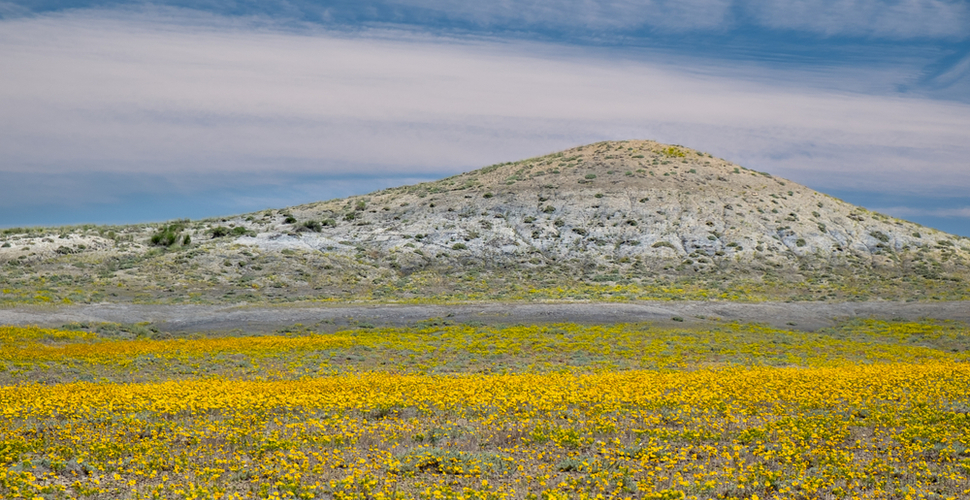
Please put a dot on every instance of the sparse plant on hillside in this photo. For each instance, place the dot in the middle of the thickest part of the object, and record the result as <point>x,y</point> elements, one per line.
<point>168,235</point>
<point>312,225</point>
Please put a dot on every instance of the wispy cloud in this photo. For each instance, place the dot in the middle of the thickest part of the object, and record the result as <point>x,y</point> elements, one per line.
<point>891,19</point>
<point>901,211</point>
<point>173,93</point>
<point>676,15</point>
<point>880,18</point>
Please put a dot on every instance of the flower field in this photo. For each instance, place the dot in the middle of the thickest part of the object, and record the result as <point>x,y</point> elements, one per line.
<point>869,409</point>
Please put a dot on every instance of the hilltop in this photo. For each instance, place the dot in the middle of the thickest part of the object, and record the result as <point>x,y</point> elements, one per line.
<point>612,220</point>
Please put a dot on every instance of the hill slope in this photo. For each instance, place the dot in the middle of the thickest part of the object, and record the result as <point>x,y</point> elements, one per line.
<point>632,219</point>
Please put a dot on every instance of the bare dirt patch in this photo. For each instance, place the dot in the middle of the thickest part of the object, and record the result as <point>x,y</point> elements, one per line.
<point>182,318</point>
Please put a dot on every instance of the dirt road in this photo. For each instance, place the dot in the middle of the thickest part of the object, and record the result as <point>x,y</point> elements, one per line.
<point>181,318</point>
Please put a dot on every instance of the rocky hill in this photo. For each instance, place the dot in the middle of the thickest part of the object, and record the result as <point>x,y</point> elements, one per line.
<point>612,220</point>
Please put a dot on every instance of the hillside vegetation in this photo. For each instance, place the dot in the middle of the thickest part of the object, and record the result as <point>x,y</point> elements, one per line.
<point>607,221</point>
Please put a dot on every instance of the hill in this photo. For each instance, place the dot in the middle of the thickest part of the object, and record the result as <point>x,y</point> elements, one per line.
<point>613,220</point>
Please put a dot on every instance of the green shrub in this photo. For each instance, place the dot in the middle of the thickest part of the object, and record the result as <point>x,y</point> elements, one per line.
<point>590,176</point>
<point>312,225</point>
<point>167,236</point>
<point>661,244</point>
<point>220,231</point>
<point>459,246</point>
<point>549,209</point>
<point>879,235</point>
<point>800,242</point>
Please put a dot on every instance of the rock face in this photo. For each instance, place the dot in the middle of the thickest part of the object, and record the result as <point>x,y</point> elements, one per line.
<point>632,212</point>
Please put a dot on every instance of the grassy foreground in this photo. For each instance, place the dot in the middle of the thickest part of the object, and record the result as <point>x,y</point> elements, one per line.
<point>867,410</point>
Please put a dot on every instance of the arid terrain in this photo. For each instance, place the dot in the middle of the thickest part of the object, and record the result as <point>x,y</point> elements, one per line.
<point>620,320</point>
<point>621,220</point>
<point>808,316</point>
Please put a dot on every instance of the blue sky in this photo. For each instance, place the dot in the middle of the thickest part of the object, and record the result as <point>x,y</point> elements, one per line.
<point>115,112</point>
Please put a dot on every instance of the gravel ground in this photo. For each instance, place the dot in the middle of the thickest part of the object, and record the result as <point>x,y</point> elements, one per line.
<point>182,318</point>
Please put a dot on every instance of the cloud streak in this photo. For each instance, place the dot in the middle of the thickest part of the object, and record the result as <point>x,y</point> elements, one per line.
<point>902,211</point>
<point>174,93</point>
<point>889,19</point>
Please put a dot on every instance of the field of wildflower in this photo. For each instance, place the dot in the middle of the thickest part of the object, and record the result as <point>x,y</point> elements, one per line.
<point>869,409</point>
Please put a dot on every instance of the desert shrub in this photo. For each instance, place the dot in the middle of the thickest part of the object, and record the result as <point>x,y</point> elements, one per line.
<point>239,231</point>
<point>459,246</point>
<point>220,231</point>
<point>186,240</point>
<point>289,219</point>
<point>580,231</point>
<point>312,225</point>
<point>330,222</point>
<point>673,152</point>
<point>879,235</point>
<point>167,236</point>
<point>549,209</point>
<point>661,244</point>
<point>590,176</point>
<point>800,242</point>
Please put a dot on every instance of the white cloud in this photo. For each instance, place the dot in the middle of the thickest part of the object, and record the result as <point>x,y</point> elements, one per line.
<point>592,15</point>
<point>880,18</point>
<point>180,93</point>
<point>903,211</point>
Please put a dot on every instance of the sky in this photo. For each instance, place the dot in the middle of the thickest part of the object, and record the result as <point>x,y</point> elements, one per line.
<point>120,112</point>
